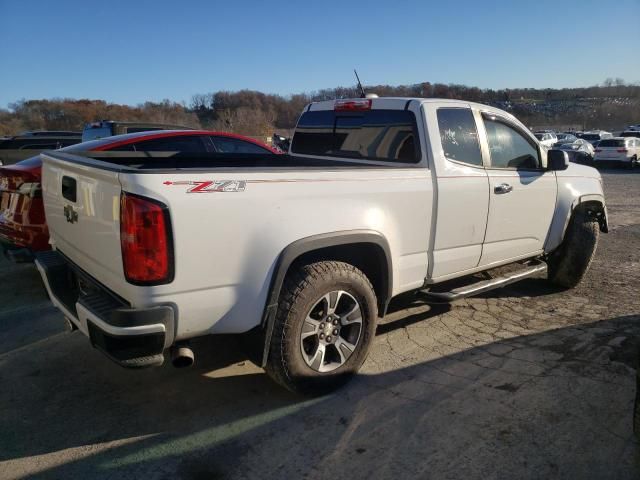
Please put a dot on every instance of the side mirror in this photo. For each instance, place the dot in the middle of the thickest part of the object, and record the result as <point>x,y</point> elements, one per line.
<point>557,160</point>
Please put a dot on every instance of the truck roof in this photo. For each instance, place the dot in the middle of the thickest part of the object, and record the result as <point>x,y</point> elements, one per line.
<point>396,103</point>
<point>402,103</point>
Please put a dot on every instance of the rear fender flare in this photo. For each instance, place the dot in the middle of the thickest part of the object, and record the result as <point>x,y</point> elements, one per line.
<point>308,245</point>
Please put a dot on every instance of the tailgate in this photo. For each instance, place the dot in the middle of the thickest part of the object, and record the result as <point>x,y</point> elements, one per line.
<point>82,206</point>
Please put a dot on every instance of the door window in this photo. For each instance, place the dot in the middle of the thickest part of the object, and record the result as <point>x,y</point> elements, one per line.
<point>459,136</point>
<point>509,148</point>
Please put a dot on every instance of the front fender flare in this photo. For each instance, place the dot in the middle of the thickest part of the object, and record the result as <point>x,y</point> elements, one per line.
<point>561,220</point>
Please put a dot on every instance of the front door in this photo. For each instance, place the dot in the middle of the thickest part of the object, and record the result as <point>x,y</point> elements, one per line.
<point>522,196</point>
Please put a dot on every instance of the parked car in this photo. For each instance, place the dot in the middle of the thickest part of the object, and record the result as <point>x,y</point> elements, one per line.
<point>23,229</point>
<point>621,151</point>
<point>596,136</point>
<point>379,196</point>
<point>109,128</point>
<point>19,147</point>
<point>547,139</point>
<point>630,133</point>
<point>563,138</point>
<point>579,151</point>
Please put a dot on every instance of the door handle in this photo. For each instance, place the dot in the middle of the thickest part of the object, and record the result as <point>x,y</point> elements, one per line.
<point>502,188</point>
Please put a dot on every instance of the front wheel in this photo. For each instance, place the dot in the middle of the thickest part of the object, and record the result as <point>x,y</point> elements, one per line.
<point>324,326</point>
<point>569,263</point>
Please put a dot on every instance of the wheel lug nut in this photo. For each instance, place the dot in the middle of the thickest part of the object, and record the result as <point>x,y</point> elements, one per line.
<point>335,332</point>
<point>322,335</point>
<point>329,338</point>
<point>335,322</point>
<point>322,325</point>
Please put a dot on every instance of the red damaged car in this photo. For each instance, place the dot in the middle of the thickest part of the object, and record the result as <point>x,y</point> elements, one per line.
<point>23,229</point>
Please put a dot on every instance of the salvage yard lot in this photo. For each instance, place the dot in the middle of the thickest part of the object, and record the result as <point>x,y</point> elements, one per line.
<point>523,382</point>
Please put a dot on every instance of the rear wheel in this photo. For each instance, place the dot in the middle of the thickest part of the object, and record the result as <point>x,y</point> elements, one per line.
<point>569,263</point>
<point>323,329</point>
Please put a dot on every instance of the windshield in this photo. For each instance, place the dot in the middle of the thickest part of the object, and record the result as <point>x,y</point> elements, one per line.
<point>591,136</point>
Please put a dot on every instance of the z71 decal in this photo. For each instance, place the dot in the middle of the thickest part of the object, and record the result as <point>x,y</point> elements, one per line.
<point>211,186</point>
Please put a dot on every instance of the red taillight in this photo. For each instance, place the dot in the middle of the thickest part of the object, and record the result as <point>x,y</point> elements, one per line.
<point>352,105</point>
<point>146,241</point>
<point>622,150</point>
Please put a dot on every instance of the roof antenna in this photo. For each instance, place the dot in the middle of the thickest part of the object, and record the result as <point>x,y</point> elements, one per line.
<point>363,94</point>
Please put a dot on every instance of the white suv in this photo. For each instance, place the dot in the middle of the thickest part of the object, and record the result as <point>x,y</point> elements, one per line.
<point>618,150</point>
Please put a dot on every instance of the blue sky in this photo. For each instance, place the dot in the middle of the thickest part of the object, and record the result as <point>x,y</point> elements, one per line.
<point>132,51</point>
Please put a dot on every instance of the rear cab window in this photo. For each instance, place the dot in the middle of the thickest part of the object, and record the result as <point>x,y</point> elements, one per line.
<point>384,135</point>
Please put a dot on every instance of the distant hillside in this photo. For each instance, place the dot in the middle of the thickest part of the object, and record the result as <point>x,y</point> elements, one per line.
<point>610,106</point>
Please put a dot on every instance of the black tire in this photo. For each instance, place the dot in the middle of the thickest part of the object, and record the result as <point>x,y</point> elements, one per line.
<point>569,263</point>
<point>302,290</point>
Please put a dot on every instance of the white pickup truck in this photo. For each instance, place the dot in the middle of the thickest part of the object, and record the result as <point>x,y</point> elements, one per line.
<point>378,196</point>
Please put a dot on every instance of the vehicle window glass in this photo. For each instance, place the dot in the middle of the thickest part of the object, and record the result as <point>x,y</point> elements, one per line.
<point>35,144</point>
<point>183,144</point>
<point>142,129</point>
<point>612,143</point>
<point>387,135</point>
<point>508,147</point>
<point>10,144</point>
<point>235,145</point>
<point>68,141</point>
<point>41,146</point>
<point>129,147</point>
<point>93,133</point>
<point>459,136</point>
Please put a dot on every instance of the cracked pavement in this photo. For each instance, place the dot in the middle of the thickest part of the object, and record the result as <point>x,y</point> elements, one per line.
<point>522,382</point>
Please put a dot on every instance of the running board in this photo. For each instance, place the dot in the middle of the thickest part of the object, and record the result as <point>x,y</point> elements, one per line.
<point>486,285</point>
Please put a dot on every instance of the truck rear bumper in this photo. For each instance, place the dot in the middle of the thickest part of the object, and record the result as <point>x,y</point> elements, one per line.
<point>131,337</point>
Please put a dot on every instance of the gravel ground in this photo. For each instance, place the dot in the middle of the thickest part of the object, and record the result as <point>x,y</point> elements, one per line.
<point>523,382</point>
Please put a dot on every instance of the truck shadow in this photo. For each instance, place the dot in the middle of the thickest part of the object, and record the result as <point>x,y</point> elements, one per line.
<point>513,405</point>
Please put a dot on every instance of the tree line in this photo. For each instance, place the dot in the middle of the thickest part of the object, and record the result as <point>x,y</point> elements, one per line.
<point>610,105</point>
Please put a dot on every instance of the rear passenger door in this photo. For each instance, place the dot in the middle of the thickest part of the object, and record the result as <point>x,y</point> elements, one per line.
<point>463,193</point>
<point>522,194</point>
